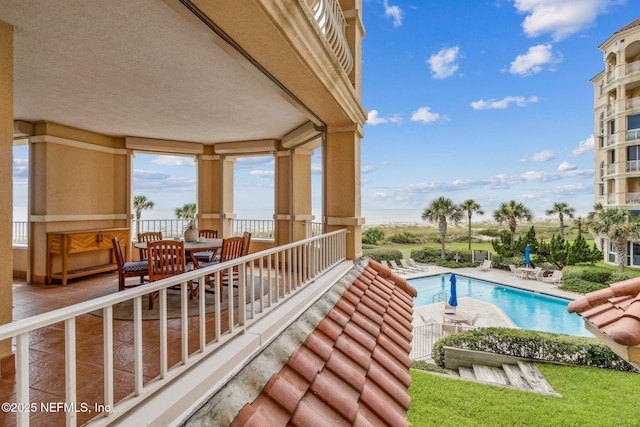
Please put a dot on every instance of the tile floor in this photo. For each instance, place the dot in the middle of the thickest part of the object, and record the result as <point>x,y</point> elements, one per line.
<point>46,373</point>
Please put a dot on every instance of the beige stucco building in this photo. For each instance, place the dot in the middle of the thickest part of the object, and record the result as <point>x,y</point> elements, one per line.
<point>617,129</point>
<point>88,84</point>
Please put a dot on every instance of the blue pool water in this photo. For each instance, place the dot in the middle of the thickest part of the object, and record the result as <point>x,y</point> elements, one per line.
<point>526,309</point>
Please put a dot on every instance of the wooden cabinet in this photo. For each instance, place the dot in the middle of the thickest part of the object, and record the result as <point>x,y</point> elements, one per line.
<point>66,243</point>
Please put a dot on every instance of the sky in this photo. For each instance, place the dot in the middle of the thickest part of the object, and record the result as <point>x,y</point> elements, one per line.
<point>487,100</point>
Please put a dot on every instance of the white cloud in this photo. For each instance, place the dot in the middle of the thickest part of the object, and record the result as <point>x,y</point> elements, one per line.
<point>374,118</point>
<point>148,180</point>
<point>444,63</point>
<point>584,146</point>
<point>424,115</point>
<point>316,168</point>
<point>566,166</point>
<point>534,60</point>
<point>541,156</point>
<point>560,18</point>
<point>174,161</point>
<point>20,168</point>
<point>262,174</point>
<point>393,12</point>
<point>367,168</point>
<point>501,104</point>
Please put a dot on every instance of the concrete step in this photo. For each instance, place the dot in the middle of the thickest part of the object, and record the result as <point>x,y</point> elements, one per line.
<point>467,373</point>
<point>516,377</point>
<point>522,376</point>
<point>536,380</point>
<point>490,374</point>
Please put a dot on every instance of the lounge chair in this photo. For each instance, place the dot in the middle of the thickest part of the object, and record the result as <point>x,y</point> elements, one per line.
<point>485,266</point>
<point>556,277</point>
<point>472,321</point>
<point>538,273</point>
<point>395,267</point>
<point>405,264</point>
<point>417,265</point>
<point>449,309</point>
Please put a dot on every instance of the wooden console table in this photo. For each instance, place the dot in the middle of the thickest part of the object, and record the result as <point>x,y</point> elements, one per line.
<point>65,243</point>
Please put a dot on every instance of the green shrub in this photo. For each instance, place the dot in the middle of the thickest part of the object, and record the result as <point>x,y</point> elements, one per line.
<point>365,246</point>
<point>427,367</point>
<point>425,254</point>
<point>373,235</point>
<point>616,277</point>
<point>543,346</point>
<point>574,284</point>
<point>405,238</point>
<point>383,254</point>
<point>490,232</point>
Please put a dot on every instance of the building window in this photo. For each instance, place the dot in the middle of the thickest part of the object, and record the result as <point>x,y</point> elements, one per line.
<point>633,122</point>
<point>602,123</point>
<point>612,127</point>
<point>601,189</point>
<point>612,253</point>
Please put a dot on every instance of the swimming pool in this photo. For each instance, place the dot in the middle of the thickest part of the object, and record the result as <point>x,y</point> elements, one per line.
<point>528,310</point>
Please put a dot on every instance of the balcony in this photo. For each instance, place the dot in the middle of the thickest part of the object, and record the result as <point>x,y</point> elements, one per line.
<point>632,67</point>
<point>633,198</point>
<point>611,76</point>
<point>611,109</point>
<point>633,165</point>
<point>632,103</point>
<point>611,139</point>
<point>633,134</point>
<point>611,199</point>
<point>94,355</point>
<point>611,169</point>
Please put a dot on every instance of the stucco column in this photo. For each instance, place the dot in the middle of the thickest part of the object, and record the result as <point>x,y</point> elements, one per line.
<point>226,170</point>
<point>209,191</point>
<point>7,365</point>
<point>293,195</point>
<point>342,189</point>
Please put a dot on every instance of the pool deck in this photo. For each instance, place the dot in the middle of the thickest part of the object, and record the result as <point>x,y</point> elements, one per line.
<point>490,315</point>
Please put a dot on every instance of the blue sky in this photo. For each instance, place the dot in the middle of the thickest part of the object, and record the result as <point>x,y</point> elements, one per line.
<point>481,99</point>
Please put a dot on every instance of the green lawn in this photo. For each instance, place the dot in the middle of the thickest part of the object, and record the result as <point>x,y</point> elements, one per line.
<point>591,397</point>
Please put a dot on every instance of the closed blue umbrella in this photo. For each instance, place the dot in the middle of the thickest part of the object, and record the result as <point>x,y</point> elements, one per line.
<point>453,299</point>
<point>527,252</point>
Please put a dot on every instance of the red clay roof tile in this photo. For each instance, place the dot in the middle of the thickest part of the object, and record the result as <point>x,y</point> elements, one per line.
<point>614,310</point>
<point>353,368</point>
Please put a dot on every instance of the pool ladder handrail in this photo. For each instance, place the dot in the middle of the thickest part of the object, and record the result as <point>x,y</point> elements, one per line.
<point>436,297</point>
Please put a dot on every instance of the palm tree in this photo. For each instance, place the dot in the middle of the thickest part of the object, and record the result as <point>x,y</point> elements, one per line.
<point>561,209</point>
<point>511,213</point>
<point>188,212</point>
<point>619,227</point>
<point>439,211</point>
<point>579,221</point>
<point>470,206</point>
<point>141,203</point>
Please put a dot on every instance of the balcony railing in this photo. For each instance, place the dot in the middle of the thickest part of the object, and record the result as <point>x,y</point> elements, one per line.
<point>331,20</point>
<point>632,103</point>
<point>280,272</point>
<point>260,228</point>
<point>611,109</point>
<point>633,198</point>
<point>633,165</point>
<point>611,139</point>
<point>20,232</point>
<point>611,199</point>
<point>611,169</point>
<point>633,134</point>
<point>633,67</point>
<point>611,76</point>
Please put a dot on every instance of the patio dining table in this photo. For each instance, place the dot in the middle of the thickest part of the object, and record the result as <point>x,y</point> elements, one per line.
<point>527,273</point>
<point>189,247</point>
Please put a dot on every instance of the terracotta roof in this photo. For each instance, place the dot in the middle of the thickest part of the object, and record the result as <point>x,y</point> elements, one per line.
<point>352,369</point>
<point>615,311</point>
<point>630,25</point>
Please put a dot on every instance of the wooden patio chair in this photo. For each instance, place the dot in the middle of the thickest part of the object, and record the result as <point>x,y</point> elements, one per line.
<point>128,269</point>
<point>231,249</point>
<point>150,236</point>
<point>167,259</point>
<point>205,256</point>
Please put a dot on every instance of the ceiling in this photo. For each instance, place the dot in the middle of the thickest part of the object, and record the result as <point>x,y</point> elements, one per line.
<point>142,68</point>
